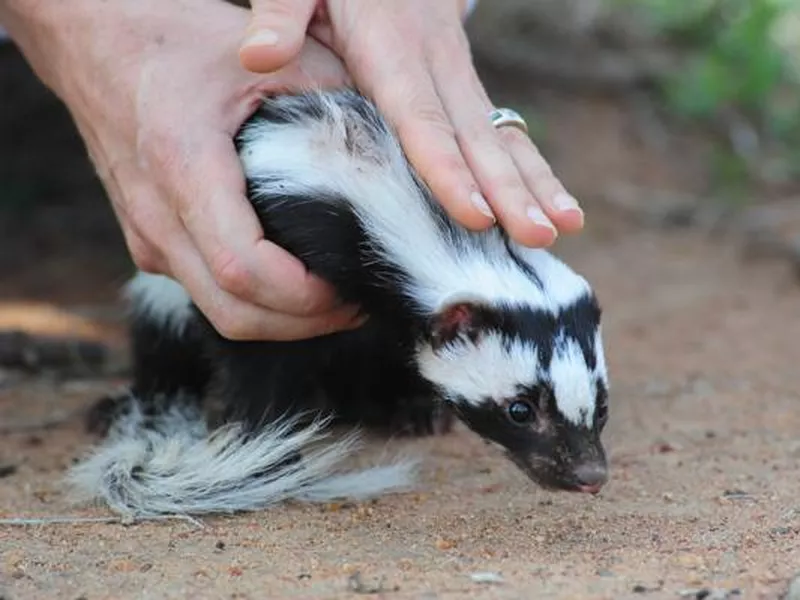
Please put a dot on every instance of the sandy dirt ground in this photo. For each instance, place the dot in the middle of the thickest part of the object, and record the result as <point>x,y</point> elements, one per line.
<point>704,436</point>
<point>703,441</point>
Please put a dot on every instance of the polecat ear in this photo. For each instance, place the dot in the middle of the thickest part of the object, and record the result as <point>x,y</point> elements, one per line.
<point>459,320</point>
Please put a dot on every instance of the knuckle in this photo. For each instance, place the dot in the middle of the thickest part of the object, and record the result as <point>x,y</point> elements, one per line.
<point>308,303</point>
<point>450,171</point>
<point>231,273</point>
<point>418,108</point>
<point>434,116</point>
<point>433,136</point>
<point>144,256</point>
<point>157,146</point>
<point>539,173</point>
<point>146,260</point>
<point>310,296</point>
<point>163,154</point>
<point>456,169</point>
<point>506,183</point>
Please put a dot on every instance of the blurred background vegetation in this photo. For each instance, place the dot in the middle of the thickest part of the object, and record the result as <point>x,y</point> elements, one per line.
<point>738,75</point>
<point>728,67</point>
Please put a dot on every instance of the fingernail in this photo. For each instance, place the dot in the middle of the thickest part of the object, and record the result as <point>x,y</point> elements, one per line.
<point>480,203</point>
<point>359,321</point>
<point>564,202</point>
<point>536,215</point>
<point>264,37</point>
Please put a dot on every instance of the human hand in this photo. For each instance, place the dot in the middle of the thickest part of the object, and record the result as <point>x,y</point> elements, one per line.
<point>412,58</point>
<point>157,92</point>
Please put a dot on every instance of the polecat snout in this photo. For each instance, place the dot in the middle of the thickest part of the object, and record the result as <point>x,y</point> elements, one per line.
<point>505,337</point>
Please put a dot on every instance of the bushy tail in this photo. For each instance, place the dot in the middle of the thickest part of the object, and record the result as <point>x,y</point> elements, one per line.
<point>169,463</point>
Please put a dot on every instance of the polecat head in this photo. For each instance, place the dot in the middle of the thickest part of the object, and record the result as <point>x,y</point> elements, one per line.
<point>533,381</point>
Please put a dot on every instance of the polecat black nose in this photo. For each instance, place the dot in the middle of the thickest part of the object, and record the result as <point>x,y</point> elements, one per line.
<point>591,475</point>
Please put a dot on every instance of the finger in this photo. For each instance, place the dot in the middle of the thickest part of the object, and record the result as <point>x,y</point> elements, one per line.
<point>276,33</point>
<point>402,87</point>
<point>316,66</point>
<point>559,205</point>
<point>207,180</point>
<point>236,319</point>
<point>146,256</point>
<point>231,316</point>
<point>498,175</point>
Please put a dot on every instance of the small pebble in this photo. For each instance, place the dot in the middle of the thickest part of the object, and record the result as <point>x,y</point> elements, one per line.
<point>443,544</point>
<point>643,589</point>
<point>220,545</point>
<point>711,594</point>
<point>486,577</point>
<point>491,489</point>
<point>781,530</point>
<point>355,584</point>
<point>737,495</point>
<point>793,593</point>
<point>665,448</point>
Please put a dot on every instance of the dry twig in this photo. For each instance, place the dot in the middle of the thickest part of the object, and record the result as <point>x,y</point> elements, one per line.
<point>33,521</point>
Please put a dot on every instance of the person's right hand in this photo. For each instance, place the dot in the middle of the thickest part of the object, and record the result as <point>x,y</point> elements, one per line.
<point>157,92</point>
<point>413,58</point>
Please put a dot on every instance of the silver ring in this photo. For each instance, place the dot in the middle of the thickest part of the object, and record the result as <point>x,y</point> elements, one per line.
<point>505,117</point>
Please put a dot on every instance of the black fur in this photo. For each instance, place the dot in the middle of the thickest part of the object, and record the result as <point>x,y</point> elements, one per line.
<point>366,376</point>
<point>357,377</point>
<point>577,321</point>
<point>363,377</point>
<point>167,367</point>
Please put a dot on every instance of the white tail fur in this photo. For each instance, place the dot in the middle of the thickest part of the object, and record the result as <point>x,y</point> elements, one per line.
<point>172,464</point>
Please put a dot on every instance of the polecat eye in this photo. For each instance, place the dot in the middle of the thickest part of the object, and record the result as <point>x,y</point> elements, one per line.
<point>520,412</point>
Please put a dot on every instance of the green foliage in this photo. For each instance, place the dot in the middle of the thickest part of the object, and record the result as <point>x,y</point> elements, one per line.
<point>735,73</point>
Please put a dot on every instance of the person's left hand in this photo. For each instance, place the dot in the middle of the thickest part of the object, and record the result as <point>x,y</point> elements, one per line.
<point>157,93</point>
<point>412,58</point>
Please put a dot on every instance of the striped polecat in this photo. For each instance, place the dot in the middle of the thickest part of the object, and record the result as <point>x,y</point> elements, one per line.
<point>461,324</point>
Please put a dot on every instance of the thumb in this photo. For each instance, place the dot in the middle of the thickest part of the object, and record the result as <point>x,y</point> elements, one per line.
<point>276,33</point>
